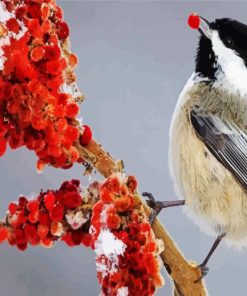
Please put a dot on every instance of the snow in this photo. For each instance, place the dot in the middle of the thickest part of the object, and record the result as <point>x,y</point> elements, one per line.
<point>4,17</point>
<point>109,245</point>
<point>4,14</point>
<point>71,89</point>
<point>123,291</point>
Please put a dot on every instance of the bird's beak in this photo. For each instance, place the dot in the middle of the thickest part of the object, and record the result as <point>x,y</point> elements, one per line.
<point>204,28</point>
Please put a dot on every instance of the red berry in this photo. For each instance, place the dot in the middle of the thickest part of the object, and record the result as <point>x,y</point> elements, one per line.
<point>44,219</point>
<point>30,231</point>
<point>3,146</point>
<point>194,21</point>
<point>72,199</point>
<point>52,52</point>
<point>87,135</point>
<point>68,239</point>
<point>3,234</point>
<point>73,60</point>
<point>45,11</point>
<point>37,53</point>
<point>15,139</point>
<point>70,135</point>
<point>76,237</point>
<point>22,246</point>
<point>22,201</point>
<point>13,25</point>
<point>46,242</point>
<point>33,217</point>
<point>86,239</point>
<point>34,28</point>
<point>42,231</point>
<point>72,110</point>
<point>20,12</point>
<point>49,200</point>
<point>12,208</point>
<point>57,213</point>
<point>63,30</point>
<point>33,205</point>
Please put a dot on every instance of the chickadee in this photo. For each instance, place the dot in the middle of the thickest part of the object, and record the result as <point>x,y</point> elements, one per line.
<point>208,136</point>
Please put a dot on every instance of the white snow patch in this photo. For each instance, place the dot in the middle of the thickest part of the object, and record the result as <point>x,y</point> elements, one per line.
<point>108,245</point>
<point>71,89</point>
<point>123,291</point>
<point>5,15</point>
<point>103,214</point>
<point>5,40</point>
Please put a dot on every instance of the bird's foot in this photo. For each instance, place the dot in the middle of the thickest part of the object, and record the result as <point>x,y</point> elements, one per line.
<point>204,271</point>
<point>156,206</point>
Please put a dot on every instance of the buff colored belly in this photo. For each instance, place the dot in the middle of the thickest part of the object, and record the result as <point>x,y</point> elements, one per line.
<point>211,192</point>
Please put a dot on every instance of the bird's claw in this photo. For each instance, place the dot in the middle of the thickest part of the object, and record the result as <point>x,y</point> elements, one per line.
<point>204,271</point>
<point>151,200</point>
<point>156,206</point>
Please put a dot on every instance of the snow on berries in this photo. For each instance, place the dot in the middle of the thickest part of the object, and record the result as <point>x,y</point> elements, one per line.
<point>38,92</point>
<point>106,216</point>
<point>126,250</point>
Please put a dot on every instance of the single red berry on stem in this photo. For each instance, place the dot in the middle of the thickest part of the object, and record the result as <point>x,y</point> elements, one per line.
<point>194,21</point>
<point>87,135</point>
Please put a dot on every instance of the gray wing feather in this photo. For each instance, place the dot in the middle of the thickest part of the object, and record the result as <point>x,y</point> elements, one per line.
<point>226,141</point>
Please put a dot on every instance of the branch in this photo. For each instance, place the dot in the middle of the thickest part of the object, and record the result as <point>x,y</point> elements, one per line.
<point>183,273</point>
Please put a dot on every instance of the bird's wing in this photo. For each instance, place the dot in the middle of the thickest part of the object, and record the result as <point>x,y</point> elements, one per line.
<point>226,141</point>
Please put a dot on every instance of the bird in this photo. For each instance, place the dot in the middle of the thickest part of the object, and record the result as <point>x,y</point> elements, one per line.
<point>208,136</point>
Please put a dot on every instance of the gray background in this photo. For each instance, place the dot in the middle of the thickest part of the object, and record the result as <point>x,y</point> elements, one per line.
<point>135,57</point>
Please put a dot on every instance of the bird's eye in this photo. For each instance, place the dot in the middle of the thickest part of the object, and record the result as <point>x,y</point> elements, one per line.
<point>228,42</point>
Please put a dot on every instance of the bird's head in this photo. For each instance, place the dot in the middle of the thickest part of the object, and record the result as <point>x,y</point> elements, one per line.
<point>222,51</point>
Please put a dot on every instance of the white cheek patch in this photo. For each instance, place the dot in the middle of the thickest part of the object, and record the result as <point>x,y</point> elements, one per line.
<point>233,72</point>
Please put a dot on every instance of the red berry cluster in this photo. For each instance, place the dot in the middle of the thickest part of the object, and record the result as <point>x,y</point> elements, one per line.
<point>61,214</point>
<point>38,91</point>
<point>136,269</point>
